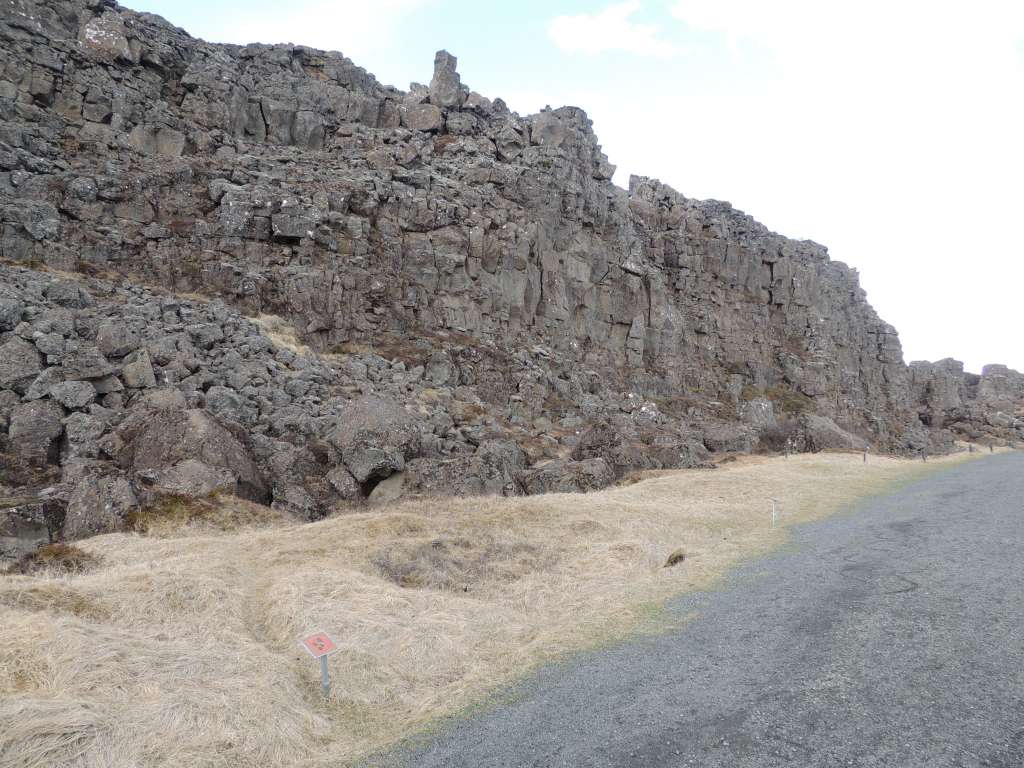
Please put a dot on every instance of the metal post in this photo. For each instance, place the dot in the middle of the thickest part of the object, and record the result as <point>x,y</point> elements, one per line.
<point>865,455</point>
<point>325,681</point>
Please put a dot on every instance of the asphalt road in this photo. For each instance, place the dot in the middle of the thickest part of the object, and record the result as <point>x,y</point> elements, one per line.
<point>892,635</point>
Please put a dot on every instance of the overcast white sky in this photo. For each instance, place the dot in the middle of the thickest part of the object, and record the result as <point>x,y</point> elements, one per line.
<point>890,131</point>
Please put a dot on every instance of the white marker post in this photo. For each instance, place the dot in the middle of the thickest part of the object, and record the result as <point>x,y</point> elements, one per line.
<point>319,645</point>
<point>774,511</point>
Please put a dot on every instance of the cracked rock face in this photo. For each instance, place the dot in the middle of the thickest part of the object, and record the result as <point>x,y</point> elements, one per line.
<point>258,270</point>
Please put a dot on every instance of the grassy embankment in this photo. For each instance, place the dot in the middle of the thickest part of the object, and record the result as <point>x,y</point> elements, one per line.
<point>178,647</point>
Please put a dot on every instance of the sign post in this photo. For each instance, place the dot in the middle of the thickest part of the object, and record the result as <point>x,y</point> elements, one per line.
<point>319,645</point>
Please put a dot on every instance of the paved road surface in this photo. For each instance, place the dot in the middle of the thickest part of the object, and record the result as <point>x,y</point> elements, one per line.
<point>892,636</point>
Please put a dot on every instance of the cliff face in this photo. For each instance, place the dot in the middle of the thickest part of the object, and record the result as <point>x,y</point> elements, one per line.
<point>987,407</point>
<point>529,324</point>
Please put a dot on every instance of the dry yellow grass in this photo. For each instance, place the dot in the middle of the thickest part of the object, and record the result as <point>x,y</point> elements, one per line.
<point>282,333</point>
<point>181,650</point>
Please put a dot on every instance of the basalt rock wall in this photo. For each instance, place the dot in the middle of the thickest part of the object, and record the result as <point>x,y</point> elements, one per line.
<point>530,325</point>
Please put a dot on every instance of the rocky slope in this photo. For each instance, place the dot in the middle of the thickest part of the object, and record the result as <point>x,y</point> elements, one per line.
<point>458,299</point>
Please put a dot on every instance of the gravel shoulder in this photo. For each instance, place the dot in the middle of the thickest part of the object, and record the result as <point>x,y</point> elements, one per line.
<point>888,635</point>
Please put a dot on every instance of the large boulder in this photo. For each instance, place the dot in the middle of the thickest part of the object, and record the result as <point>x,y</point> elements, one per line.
<point>20,363</point>
<point>305,484</point>
<point>446,89</point>
<point>86,362</point>
<point>603,441</point>
<point>34,431</point>
<point>115,339</point>
<point>11,311</point>
<point>567,477</point>
<point>818,433</point>
<point>727,437</point>
<point>186,452</point>
<point>26,524</point>
<point>98,504</point>
<point>375,437</point>
<point>138,371</point>
<point>422,117</point>
<point>73,394</point>
<point>492,471</point>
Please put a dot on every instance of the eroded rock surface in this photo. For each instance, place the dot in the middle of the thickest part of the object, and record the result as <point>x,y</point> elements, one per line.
<point>455,294</point>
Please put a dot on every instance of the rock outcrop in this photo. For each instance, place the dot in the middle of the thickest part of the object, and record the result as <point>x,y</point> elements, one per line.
<point>986,408</point>
<point>257,270</point>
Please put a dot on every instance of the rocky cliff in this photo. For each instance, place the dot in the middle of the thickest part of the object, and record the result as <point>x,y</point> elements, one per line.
<point>257,269</point>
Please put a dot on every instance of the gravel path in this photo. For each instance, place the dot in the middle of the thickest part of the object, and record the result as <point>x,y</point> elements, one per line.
<point>890,636</point>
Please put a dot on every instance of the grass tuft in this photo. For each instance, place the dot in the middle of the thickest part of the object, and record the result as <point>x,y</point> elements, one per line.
<point>173,515</point>
<point>678,556</point>
<point>55,558</point>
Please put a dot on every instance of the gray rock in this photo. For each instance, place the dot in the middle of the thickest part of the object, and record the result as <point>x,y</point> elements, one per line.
<point>819,433</point>
<point>105,36</point>
<point>725,437</point>
<point>20,364</point>
<point>446,88</point>
<point>547,130</point>
<point>115,339</point>
<point>343,483</point>
<point>34,429</point>
<point>205,335</point>
<point>758,412</point>
<point>11,311</point>
<point>227,405</point>
<point>86,363</point>
<point>107,384</point>
<point>8,400</point>
<point>19,536</point>
<point>294,221</point>
<point>1000,420</point>
<point>26,524</point>
<point>493,470</point>
<point>422,117</point>
<point>191,478</point>
<point>155,440</point>
<point>137,371</point>
<point>157,140</point>
<point>66,293</point>
<point>603,441</point>
<point>375,436</point>
<point>82,432</point>
<point>98,504</point>
<point>73,394</point>
<point>49,344</point>
<point>42,385</point>
<point>568,477</point>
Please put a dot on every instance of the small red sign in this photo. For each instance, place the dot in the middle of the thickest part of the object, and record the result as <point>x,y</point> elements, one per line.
<point>318,645</point>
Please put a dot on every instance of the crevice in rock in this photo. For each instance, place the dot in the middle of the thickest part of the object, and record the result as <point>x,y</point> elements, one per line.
<point>366,487</point>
